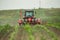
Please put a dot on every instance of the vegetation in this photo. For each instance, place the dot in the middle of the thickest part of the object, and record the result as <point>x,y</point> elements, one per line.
<point>4,29</point>
<point>12,35</point>
<point>50,18</point>
<point>30,30</point>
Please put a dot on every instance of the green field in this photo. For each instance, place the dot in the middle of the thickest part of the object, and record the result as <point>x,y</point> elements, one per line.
<point>49,15</point>
<point>48,31</point>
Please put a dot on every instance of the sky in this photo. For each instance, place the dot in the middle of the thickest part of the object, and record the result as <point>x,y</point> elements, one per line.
<point>28,4</point>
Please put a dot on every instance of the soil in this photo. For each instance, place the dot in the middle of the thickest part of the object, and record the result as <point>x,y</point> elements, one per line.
<point>23,35</point>
<point>56,31</point>
<point>6,36</point>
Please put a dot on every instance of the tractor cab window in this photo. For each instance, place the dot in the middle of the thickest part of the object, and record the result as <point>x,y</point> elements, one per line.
<point>29,14</point>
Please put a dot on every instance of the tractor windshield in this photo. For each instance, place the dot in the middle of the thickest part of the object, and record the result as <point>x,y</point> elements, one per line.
<point>29,14</point>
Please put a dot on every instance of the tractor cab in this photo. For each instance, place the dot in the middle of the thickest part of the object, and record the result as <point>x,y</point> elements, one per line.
<point>29,14</point>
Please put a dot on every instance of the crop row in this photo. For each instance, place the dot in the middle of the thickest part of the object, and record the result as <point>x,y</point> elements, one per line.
<point>4,29</point>
<point>54,25</point>
<point>51,34</point>
<point>30,29</point>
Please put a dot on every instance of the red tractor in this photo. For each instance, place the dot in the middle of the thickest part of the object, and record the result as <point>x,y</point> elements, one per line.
<point>29,18</point>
